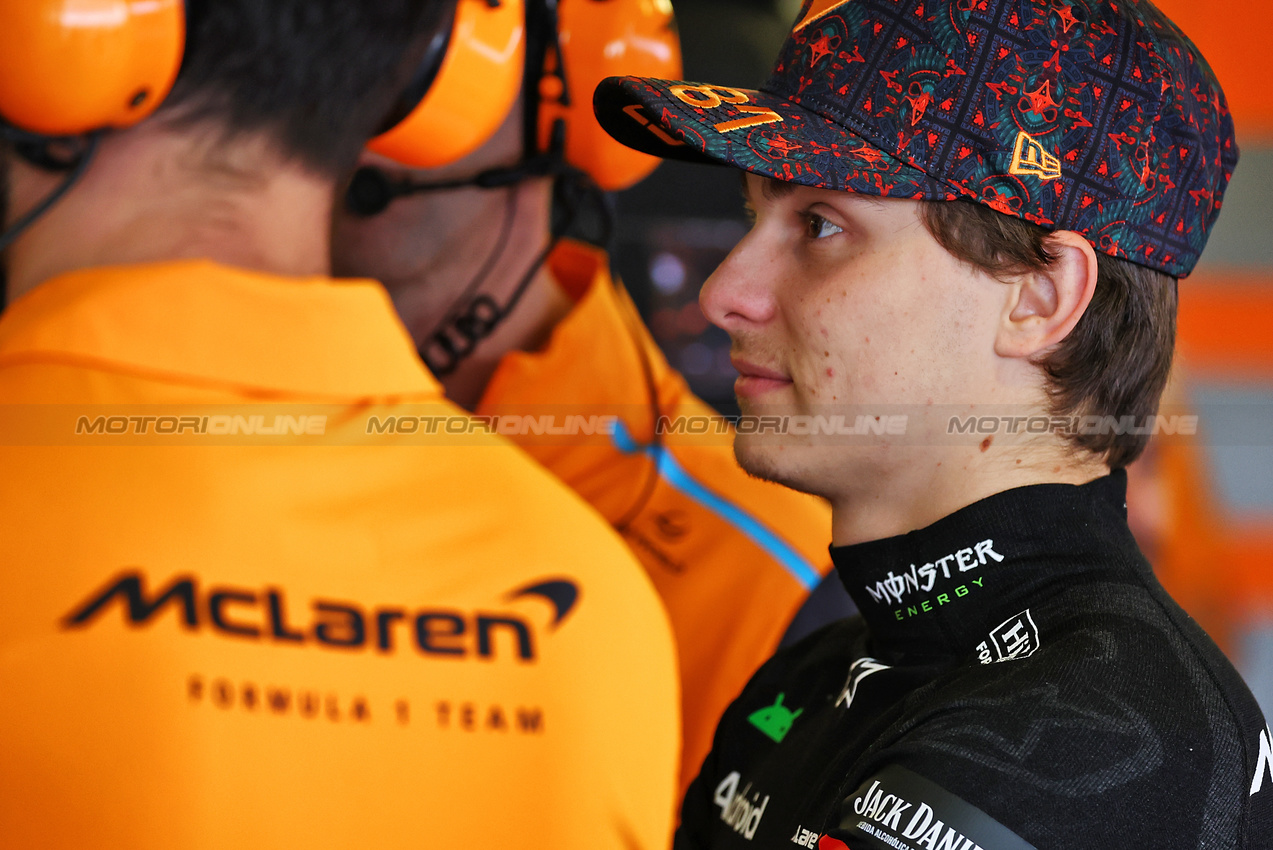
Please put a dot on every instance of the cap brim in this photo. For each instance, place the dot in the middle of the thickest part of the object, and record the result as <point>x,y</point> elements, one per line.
<point>756,131</point>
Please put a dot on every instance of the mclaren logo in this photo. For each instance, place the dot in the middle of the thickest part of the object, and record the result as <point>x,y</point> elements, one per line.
<point>818,9</point>
<point>1030,159</point>
<point>264,615</point>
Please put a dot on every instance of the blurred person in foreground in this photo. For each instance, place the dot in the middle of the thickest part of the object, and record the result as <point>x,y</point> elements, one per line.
<point>970,211</point>
<point>236,614</point>
<point>517,320</point>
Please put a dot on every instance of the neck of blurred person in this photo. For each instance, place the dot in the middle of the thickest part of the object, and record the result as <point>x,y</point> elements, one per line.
<point>163,191</point>
<point>434,251</point>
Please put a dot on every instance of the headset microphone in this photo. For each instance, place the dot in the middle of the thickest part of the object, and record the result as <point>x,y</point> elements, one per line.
<point>554,53</point>
<point>473,318</point>
<point>569,46</point>
<point>372,190</point>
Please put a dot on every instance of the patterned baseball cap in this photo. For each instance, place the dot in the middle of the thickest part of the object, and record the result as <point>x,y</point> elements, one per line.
<point>1097,116</point>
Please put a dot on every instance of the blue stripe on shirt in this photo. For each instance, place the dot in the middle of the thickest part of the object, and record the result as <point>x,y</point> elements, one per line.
<point>675,475</point>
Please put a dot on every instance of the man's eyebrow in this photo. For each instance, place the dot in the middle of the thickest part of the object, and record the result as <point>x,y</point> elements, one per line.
<point>772,190</point>
<point>775,190</point>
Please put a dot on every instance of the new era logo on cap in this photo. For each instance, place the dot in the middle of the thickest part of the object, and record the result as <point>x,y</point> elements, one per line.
<point>1083,115</point>
<point>1031,159</point>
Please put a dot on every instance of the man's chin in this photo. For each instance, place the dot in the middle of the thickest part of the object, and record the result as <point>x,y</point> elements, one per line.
<point>769,461</point>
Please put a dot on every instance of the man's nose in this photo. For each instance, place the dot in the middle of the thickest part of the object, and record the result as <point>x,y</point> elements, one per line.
<point>739,294</point>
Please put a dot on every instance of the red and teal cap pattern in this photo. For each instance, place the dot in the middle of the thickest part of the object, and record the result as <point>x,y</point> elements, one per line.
<point>1087,115</point>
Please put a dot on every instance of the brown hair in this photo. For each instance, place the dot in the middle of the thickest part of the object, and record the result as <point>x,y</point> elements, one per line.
<point>1116,360</point>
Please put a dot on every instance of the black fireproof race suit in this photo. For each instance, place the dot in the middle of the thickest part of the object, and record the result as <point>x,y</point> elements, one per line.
<point>1020,680</point>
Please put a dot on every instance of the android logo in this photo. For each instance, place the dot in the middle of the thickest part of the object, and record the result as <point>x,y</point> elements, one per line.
<point>775,720</point>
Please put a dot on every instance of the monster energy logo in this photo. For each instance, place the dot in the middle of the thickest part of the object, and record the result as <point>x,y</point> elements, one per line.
<point>894,588</point>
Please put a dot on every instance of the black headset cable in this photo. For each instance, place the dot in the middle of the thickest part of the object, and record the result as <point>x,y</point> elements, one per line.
<point>11,233</point>
<point>80,165</point>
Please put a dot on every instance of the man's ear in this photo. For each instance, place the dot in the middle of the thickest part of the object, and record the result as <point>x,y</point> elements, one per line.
<point>1044,306</point>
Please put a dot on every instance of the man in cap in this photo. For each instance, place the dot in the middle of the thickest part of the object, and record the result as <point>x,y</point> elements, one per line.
<point>970,211</point>
<point>569,341</point>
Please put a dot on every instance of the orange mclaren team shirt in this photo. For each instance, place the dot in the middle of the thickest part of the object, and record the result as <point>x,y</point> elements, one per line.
<point>732,557</point>
<point>240,610</point>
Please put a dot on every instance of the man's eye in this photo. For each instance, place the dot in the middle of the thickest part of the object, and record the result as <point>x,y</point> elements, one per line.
<point>817,227</point>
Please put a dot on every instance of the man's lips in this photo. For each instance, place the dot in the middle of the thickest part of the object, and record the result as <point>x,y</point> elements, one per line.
<point>756,380</point>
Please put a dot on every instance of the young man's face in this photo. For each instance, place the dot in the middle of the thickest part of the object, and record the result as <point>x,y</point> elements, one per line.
<point>845,304</point>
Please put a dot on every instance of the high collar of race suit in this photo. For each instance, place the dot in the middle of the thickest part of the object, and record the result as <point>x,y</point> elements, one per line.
<point>946,589</point>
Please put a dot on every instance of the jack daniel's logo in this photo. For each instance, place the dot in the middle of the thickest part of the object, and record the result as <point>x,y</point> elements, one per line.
<point>899,809</point>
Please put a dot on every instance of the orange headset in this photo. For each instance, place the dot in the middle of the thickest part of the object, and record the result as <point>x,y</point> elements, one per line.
<point>468,80</point>
<point>72,67</point>
<point>566,47</point>
<point>571,45</point>
<point>598,39</point>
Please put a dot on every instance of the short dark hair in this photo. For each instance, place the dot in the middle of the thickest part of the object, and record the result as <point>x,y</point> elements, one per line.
<point>318,76</point>
<point>1116,360</point>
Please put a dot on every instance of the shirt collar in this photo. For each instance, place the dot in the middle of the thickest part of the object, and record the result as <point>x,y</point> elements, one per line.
<point>593,354</point>
<point>947,588</point>
<point>197,320</point>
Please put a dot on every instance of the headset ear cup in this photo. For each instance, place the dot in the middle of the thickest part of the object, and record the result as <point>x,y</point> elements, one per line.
<point>473,92</point>
<point>612,38</point>
<point>69,67</point>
